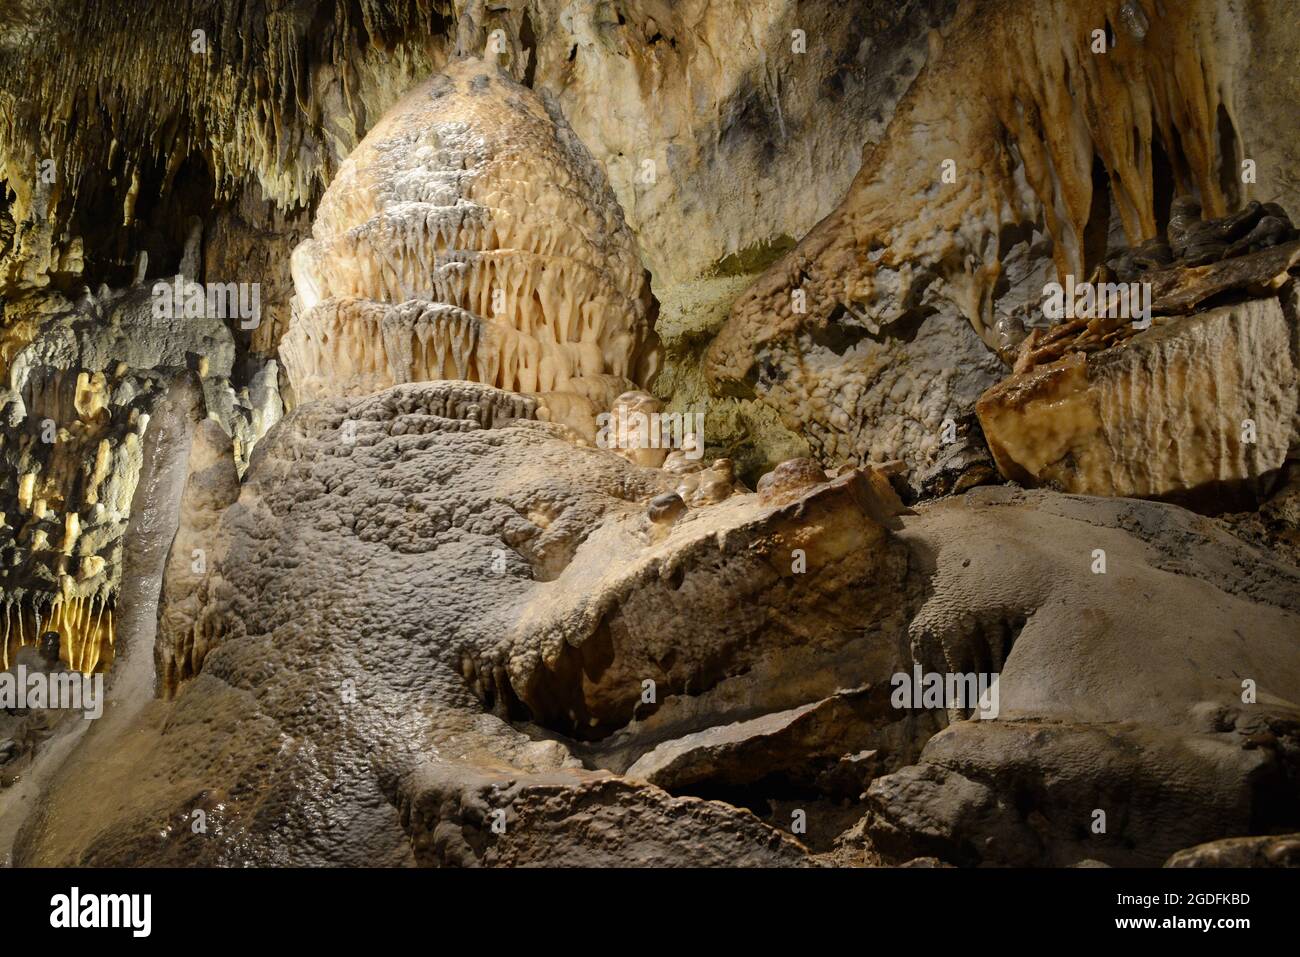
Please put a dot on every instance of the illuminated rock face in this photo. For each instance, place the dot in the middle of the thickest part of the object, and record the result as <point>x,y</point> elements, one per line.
<point>76,444</point>
<point>518,587</point>
<point>1201,404</point>
<point>457,613</point>
<point>471,236</point>
<point>1029,144</point>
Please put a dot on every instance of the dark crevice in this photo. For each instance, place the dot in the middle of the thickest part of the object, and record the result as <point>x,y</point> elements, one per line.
<point>1163,184</point>
<point>774,799</point>
<point>1229,183</point>
<point>835,335</point>
<point>528,44</point>
<point>1097,230</point>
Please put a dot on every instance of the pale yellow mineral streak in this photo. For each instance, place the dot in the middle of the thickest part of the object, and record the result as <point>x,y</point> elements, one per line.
<point>71,531</point>
<point>84,624</point>
<point>91,396</point>
<point>26,489</point>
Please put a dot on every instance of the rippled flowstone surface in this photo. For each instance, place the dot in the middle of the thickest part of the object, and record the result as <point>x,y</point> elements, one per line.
<point>426,626</point>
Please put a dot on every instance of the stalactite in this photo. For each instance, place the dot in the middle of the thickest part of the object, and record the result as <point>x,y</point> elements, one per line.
<point>84,624</point>
<point>971,157</point>
<point>243,92</point>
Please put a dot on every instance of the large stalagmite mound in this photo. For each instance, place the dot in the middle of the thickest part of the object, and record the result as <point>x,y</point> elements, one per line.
<point>471,236</point>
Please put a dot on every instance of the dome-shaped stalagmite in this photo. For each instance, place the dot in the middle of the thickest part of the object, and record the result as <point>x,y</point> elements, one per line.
<point>471,236</point>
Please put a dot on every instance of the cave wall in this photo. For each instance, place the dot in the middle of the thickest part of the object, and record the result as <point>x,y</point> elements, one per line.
<point>753,129</point>
<point>198,141</point>
<point>1035,144</point>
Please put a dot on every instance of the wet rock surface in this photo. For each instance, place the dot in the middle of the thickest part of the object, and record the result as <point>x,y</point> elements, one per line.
<point>653,447</point>
<point>432,644</point>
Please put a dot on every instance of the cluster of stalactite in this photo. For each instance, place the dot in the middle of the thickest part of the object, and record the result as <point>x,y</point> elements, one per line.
<point>80,627</point>
<point>148,80</point>
<point>152,99</point>
<point>1077,119</point>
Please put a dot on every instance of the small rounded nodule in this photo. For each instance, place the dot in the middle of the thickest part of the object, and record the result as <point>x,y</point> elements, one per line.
<point>790,475</point>
<point>666,508</point>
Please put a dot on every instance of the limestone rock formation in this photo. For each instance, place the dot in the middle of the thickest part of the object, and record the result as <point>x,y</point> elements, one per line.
<point>427,646</point>
<point>980,193</point>
<point>76,408</point>
<point>1117,689</point>
<point>211,486</point>
<point>1204,407</point>
<point>431,613</point>
<point>627,457</point>
<point>470,236</point>
<point>1274,851</point>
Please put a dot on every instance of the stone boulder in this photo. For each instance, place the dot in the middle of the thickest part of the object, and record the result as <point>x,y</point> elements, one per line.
<point>1199,409</point>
